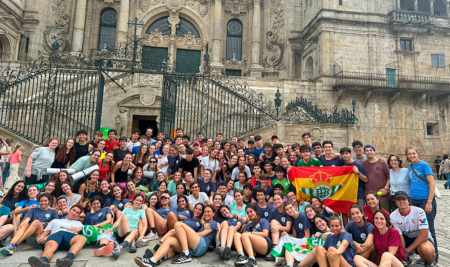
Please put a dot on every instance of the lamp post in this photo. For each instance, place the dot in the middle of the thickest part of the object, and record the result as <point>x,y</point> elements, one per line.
<point>277,100</point>
<point>355,119</point>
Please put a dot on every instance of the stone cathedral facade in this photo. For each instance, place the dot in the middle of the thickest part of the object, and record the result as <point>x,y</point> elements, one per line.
<point>390,57</point>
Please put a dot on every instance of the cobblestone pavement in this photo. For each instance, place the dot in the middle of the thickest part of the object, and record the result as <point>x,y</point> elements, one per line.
<point>86,258</point>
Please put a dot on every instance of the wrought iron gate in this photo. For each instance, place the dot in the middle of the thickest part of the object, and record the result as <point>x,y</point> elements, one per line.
<point>202,104</point>
<point>49,102</point>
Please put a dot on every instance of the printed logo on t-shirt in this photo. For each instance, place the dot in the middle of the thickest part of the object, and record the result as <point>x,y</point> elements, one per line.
<point>266,214</point>
<point>423,221</point>
<point>234,220</point>
<point>363,236</point>
<point>338,243</point>
<point>257,225</point>
<point>100,214</point>
<point>283,219</point>
<point>198,224</point>
<point>47,215</point>
<point>167,209</point>
<point>413,221</point>
<point>187,212</point>
<point>120,205</point>
<point>267,197</point>
<point>207,188</point>
<point>17,204</point>
<point>300,226</point>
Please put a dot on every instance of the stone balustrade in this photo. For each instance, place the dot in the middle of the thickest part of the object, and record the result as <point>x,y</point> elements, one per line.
<point>409,16</point>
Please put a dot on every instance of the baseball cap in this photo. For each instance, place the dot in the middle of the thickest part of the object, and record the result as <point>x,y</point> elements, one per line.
<point>401,194</point>
<point>251,142</point>
<point>274,137</point>
<point>61,197</point>
<point>165,195</point>
<point>195,143</point>
<point>369,146</point>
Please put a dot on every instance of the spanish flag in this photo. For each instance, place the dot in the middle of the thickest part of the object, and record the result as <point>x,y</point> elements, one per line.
<point>337,187</point>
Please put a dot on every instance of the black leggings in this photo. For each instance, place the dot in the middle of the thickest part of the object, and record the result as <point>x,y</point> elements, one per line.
<point>33,179</point>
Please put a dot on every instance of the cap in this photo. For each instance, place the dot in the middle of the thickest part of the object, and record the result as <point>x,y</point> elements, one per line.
<point>195,143</point>
<point>369,146</point>
<point>61,197</point>
<point>438,156</point>
<point>165,195</point>
<point>274,137</point>
<point>251,142</point>
<point>401,194</point>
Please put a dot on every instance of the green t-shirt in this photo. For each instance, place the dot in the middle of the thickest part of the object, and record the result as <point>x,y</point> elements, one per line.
<point>134,217</point>
<point>287,185</point>
<point>311,163</point>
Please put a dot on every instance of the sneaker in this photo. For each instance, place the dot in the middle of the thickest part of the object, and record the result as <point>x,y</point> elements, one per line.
<point>66,262</point>
<point>132,248</point>
<point>435,263</point>
<point>33,243</point>
<point>142,243</point>
<point>219,251</point>
<point>211,248</point>
<point>182,258</point>
<point>226,253</point>
<point>445,185</point>
<point>420,261</point>
<point>117,251</point>
<point>251,263</point>
<point>37,262</point>
<point>279,261</point>
<point>8,250</point>
<point>144,262</point>
<point>269,257</point>
<point>151,236</point>
<point>103,251</point>
<point>241,260</point>
<point>149,253</point>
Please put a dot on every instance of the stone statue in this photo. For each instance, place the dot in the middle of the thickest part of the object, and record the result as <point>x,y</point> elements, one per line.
<point>157,122</point>
<point>122,119</point>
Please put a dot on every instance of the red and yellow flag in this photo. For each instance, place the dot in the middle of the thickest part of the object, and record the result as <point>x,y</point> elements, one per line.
<point>337,187</point>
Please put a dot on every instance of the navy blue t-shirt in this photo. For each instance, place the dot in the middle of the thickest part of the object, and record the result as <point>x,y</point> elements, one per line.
<point>269,192</point>
<point>332,162</point>
<point>184,212</point>
<point>44,216</point>
<point>232,221</point>
<point>264,213</point>
<point>335,241</point>
<point>361,184</point>
<point>173,162</point>
<point>194,224</point>
<point>118,203</point>
<point>314,228</point>
<point>282,219</point>
<point>359,234</point>
<point>143,182</point>
<point>301,224</point>
<point>207,187</point>
<point>164,211</point>
<point>259,227</point>
<point>12,203</point>
<point>210,237</point>
<point>97,217</point>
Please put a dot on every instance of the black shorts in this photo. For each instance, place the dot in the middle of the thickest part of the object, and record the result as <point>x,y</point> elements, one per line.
<point>269,247</point>
<point>62,238</point>
<point>33,179</point>
<point>120,239</point>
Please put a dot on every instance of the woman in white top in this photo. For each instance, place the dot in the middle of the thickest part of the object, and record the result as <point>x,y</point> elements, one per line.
<point>211,163</point>
<point>240,167</point>
<point>163,163</point>
<point>398,176</point>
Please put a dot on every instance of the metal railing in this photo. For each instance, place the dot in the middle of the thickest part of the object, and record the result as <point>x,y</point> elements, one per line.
<point>392,81</point>
<point>409,16</point>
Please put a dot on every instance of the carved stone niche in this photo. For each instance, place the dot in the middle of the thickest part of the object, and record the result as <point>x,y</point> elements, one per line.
<point>236,6</point>
<point>235,64</point>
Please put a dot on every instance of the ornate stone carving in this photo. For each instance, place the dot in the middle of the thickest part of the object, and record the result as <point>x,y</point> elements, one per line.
<point>188,40</point>
<point>148,95</point>
<point>122,119</point>
<point>144,5</point>
<point>275,42</point>
<point>203,8</point>
<point>234,63</point>
<point>236,6</point>
<point>174,5</point>
<point>61,27</point>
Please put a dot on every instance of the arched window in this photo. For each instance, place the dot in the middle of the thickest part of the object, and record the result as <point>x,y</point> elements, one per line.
<point>234,39</point>
<point>107,33</point>
<point>163,26</point>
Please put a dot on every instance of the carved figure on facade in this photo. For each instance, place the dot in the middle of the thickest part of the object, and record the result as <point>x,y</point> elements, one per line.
<point>122,119</point>
<point>274,61</point>
<point>203,7</point>
<point>144,5</point>
<point>61,26</point>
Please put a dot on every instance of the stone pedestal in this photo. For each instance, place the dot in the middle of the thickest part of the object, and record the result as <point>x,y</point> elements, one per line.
<point>281,127</point>
<point>79,25</point>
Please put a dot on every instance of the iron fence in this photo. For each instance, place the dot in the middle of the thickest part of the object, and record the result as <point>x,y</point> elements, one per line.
<point>393,81</point>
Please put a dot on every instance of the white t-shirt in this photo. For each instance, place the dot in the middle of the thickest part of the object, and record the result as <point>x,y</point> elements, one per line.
<point>213,165</point>
<point>164,168</point>
<point>235,173</point>
<point>400,181</point>
<point>202,197</point>
<point>410,224</point>
<point>227,201</point>
<point>57,225</point>
<point>5,158</point>
<point>130,145</point>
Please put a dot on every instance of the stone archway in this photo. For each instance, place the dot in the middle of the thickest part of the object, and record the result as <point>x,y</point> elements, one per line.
<point>5,47</point>
<point>308,72</point>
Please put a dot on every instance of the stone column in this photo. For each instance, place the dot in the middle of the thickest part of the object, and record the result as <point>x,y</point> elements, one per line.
<point>447,6</point>
<point>255,68</point>
<point>217,37</point>
<point>122,21</point>
<point>398,5</point>
<point>431,6</point>
<point>416,5</point>
<point>78,28</point>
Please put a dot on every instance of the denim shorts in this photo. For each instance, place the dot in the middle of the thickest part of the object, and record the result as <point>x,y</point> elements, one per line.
<point>62,238</point>
<point>201,248</point>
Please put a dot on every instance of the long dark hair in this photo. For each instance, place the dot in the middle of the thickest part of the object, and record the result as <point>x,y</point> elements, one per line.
<point>58,182</point>
<point>185,199</point>
<point>220,214</point>
<point>99,198</point>
<point>114,197</point>
<point>362,212</point>
<point>376,196</point>
<point>258,218</point>
<point>384,215</point>
<point>61,153</point>
<point>203,209</point>
<point>23,195</point>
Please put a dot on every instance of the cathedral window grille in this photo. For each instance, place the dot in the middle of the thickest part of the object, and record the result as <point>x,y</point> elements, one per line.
<point>107,33</point>
<point>234,40</point>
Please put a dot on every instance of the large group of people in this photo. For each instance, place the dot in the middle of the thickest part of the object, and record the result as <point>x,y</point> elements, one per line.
<point>209,194</point>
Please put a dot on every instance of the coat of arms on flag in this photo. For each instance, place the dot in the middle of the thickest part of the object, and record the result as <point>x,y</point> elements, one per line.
<point>299,248</point>
<point>337,187</point>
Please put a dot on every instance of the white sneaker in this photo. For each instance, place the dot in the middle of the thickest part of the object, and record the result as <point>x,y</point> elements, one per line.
<point>151,236</point>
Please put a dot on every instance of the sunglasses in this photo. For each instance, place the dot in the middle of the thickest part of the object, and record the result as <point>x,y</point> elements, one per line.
<point>152,161</point>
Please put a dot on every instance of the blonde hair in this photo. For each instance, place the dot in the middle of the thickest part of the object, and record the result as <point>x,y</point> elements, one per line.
<point>410,148</point>
<point>16,147</point>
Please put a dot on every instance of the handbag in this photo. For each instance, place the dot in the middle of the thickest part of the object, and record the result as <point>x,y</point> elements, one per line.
<point>437,194</point>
